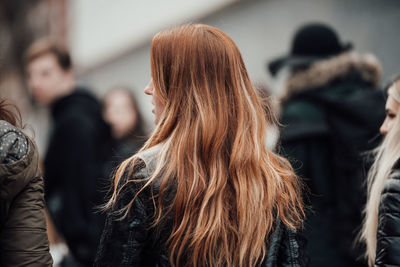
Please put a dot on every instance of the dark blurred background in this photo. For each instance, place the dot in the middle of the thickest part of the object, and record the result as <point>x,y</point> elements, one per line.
<point>109,40</point>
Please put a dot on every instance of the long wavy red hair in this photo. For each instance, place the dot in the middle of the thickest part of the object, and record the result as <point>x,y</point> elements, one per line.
<point>230,189</point>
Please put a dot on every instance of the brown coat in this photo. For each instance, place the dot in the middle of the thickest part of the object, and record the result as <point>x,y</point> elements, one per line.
<point>23,237</point>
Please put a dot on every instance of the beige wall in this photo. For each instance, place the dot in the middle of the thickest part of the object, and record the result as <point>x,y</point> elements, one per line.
<point>102,29</point>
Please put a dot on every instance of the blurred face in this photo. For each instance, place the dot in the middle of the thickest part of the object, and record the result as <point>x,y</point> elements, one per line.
<point>156,101</point>
<point>47,80</point>
<point>120,113</point>
<point>392,111</point>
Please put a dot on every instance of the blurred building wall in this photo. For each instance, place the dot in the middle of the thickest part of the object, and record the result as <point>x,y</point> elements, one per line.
<point>101,30</point>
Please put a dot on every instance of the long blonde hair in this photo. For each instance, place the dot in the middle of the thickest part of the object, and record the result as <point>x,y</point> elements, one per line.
<point>386,156</point>
<point>229,189</point>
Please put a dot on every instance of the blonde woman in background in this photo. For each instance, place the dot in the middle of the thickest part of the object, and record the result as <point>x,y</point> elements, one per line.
<point>381,229</point>
<point>204,190</point>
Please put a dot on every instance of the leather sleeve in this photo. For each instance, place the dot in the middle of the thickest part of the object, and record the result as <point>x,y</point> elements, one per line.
<point>388,235</point>
<point>122,241</point>
<point>292,251</point>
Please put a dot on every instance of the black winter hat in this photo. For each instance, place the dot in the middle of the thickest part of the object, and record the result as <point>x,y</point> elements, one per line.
<point>312,42</point>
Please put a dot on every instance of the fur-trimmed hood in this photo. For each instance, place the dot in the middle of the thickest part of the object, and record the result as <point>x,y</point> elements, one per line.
<point>325,71</point>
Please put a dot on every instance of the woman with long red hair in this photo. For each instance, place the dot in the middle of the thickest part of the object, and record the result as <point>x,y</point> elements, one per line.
<point>204,190</point>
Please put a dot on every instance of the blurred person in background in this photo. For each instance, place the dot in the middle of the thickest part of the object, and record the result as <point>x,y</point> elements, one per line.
<point>204,190</point>
<point>330,111</point>
<point>271,111</point>
<point>381,229</point>
<point>23,236</point>
<point>121,112</point>
<point>78,147</point>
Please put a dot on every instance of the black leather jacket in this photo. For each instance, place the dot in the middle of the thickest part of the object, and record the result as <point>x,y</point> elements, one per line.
<point>130,242</point>
<point>388,236</point>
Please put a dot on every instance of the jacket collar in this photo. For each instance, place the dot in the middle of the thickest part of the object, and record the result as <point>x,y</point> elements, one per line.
<point>366,67</point>
<point>79,97</point>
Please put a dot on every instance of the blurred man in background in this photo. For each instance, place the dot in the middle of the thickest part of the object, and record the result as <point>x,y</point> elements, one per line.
<point>331,111</point>
<point>77,149</point>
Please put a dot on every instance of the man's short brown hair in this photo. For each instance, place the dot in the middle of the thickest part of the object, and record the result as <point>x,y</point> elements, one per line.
<point>45,46</point>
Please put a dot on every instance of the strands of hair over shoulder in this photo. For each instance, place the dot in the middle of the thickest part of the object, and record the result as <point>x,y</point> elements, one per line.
<point>386,156</point>
<point>229,188</point>
<point>10,113</point>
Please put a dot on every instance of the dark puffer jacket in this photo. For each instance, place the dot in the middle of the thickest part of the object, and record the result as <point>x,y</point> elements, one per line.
<point>23,237</point>
<point>331,114</point>
<point>130,242</point>
<point>388,236</point>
